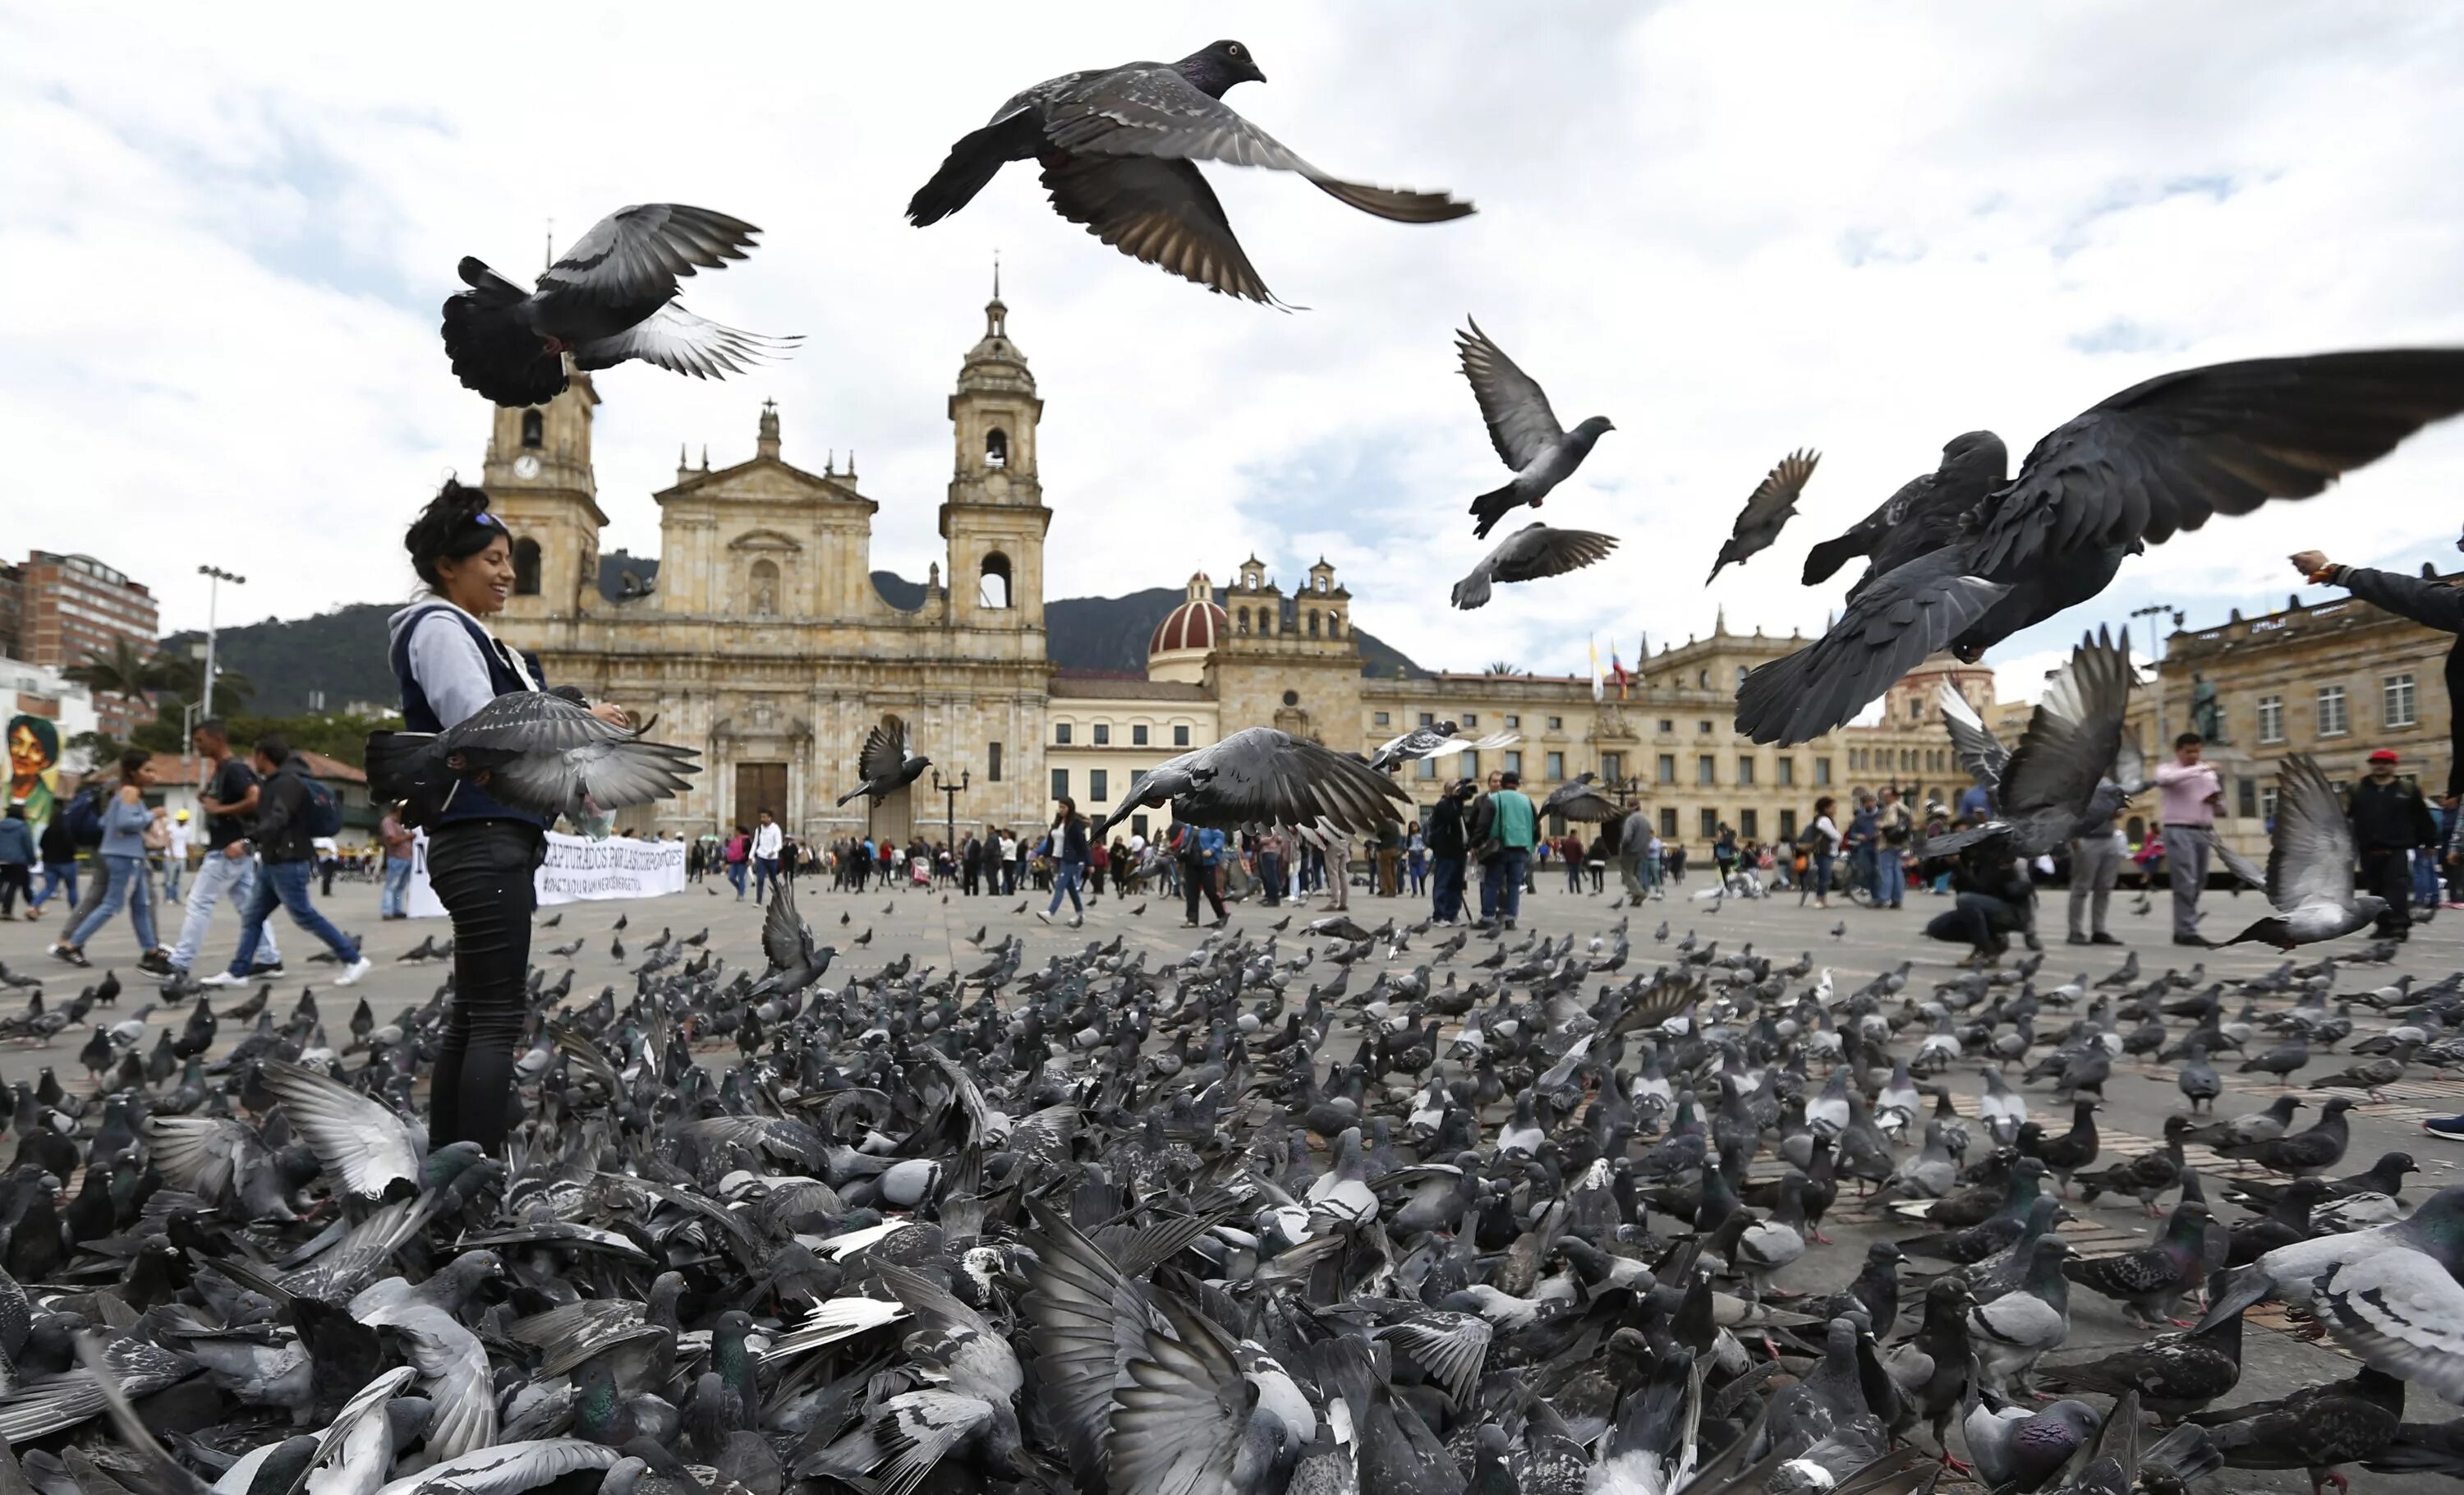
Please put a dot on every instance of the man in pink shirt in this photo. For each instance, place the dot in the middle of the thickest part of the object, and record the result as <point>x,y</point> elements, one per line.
<point>2192,793</point>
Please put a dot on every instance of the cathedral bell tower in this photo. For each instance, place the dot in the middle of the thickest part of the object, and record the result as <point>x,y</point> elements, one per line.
<point>995,517</point>
<point>539,481</point>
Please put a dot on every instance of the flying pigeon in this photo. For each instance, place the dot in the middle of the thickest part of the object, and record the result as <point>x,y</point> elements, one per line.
<point>1576,800</point>
<point>1261,775</point>
<point>1436,740</point>
<point>1119,147</point>
<point>1967,571</point>
<point>1767,510</point>
<point>611,298</point>
<point>1526,433</point>
<point>2053,785</point>
<point>534,751</point>
<point>1528,555</point>
<point>797,960</point>
<point>2309,876</point>
<point>886,764</point>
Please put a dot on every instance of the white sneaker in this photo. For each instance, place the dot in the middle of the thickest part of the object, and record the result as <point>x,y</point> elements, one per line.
<point>352,973</point>
<point>223,979</point>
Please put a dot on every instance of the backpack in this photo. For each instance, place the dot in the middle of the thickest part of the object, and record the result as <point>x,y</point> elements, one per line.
<point>319,810</point>
<point>83,816</point>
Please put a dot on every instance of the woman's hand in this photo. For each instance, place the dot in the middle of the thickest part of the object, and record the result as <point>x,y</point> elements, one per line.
<point>613,715</point>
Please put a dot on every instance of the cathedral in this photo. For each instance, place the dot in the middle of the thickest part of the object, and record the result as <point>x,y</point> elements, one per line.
<point>764,639</point>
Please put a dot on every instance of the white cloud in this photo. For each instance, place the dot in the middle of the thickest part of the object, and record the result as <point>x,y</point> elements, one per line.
<point>1733,229</point>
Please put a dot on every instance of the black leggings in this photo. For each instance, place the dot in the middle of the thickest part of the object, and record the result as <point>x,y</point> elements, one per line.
<point>481,870</point>
<point>1197,877</point>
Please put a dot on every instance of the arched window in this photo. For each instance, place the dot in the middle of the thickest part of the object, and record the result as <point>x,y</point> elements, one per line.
<point>1242,621</point>
<point>1742,673</point>
<point>764,589</point>
<point>526,568</point>
<point>993,589</point>
<point>996,448</point>
<point>1312,622</point>
<point>534,428</point>
<point>1334,624</point>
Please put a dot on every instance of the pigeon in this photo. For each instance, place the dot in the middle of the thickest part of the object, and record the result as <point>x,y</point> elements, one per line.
<point>2171,1373</point>
<point>1262,776</point>
<point>2304,1153</point>
<point>797,960</point>
<point>2150,1281</point>
<point>1528,440</point>
<point>1119,147</point>
<point>1577,799</point>
<point>2012,1331</point>
<point>2315,1428</point>
<point>1439,739</point>
<point>611,298</point>
<point>887,763</point>
<point>1529,554</point>
<point>534,751</point>
<point>1767,509</point>
<point>2051,786</point>
<point>1963,570</point>
<point>2310,856</point>
<point>2015,1448</point>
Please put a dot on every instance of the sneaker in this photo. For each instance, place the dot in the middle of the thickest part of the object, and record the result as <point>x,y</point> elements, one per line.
<point>352,973</point>
<point>76,958</point>
<point>2451,1128</point>
<point>154,962</point>
<point>1076,920</point>
<point>1045,917</point>
<point>224,979</point>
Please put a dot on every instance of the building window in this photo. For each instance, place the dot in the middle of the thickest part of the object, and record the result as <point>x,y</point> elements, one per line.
<point>534,428</point>
<point>991,763</point>
<point>1428,768</point>
<point>526,564</point>
<point>1470,765</point>
<point>1556,723</point>
<point>1099,784</point>
<point>1312,622</point>
<point>1668,768</point>
<point>1471,718</point>
<point>1513,720</point>
<point>1613,766</point>
<point>1061,733</point>
<point>1241,622</point>
<point>2334,721</point>
<point>1745,771</point>
<point>1702,729</point>
<point>996,455</point>
<point>1822,772</point>
<point>1103,734</point>
<point>1428,718</point>
<point>1380,718</point>
<point>1667,725</point>
<point>1749,824</point>
<point>993,588</point>
<point>2271,718</point>
<point>1787,773</point>
<point>2247,799</point>
<point>1514,762</point>
<point>2399,700</point>
<point>1707,769</point>
<point>1291,697</point>
<point>764,588</point>
<point>1916,709</point>
<point>2267,805</point>
<point>1702,679</point>
<point>1180,736</point>
<point>1555,769</point>
<point>1787,824</point>
<point>1138,735</point>
<point>1668,822</point>
<point>1710,825</point>
<point>1060,783</point>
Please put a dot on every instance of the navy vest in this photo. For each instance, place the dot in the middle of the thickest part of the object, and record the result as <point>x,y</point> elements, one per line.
<point>469,801</point>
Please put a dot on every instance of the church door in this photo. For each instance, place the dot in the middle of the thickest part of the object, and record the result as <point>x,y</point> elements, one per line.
<point>761,786</point>
<point>896,816</point>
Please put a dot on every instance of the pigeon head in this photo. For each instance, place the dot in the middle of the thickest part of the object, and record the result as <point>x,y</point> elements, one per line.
<point>1213,70</point>
<point>1977,453</point>
<point>1594,429</point>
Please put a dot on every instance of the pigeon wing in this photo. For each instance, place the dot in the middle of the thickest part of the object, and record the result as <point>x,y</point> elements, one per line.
<point>1178,1425</point>
<point>529,721</point>
<point>916,1429</point>
<point>1521,426</point>
<point>1262,776</point>
<point>1980,752</point>
<point>1767,509</point>
<point>1890,628</point>
<point>2073,732</point>
<point>2310,860</point>
<point>885,751</point>
<point>2168,454</point>
<point>2401,1311</point>
<point>682,343</point>
<point>361,1142</point>
<point>786,939</point>
<point>1153,111</point>
<point>637,254</point>
<point>1159,211</point>
<point>1527,557</point>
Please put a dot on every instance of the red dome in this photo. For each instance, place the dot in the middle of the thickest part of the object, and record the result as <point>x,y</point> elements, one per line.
<point>1193,624</point>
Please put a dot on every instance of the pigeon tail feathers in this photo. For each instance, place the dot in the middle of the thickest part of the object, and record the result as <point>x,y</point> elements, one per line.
<point>493,347</point>
<point>1493,506</point>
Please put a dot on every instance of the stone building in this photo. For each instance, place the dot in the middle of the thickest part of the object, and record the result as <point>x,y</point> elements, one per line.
<point>762,637</point>
<point>2337,679</point>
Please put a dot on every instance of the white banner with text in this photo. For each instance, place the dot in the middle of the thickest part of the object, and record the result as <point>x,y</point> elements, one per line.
<point>577,870</point>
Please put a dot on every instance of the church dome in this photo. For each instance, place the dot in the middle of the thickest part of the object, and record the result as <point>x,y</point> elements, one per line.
<point>1197,623</point>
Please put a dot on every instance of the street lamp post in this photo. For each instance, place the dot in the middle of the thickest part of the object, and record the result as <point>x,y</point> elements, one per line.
<point>950,793</point>
<point>214,577</point>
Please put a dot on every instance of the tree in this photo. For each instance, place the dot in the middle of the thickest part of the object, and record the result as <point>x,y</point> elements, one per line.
<point>1502,666</point>
<point>124,671</point>
<point>184,675</point>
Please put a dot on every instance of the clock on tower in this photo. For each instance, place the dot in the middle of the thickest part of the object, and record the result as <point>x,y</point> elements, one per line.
<point>539,483</point>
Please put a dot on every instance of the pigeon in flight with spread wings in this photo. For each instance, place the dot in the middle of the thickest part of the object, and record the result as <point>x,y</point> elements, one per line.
<point>1529,553</point>
<point>2158,458</point>
<point>2309,875</point>
<point>886,762</point>
<point>1261,775</point>
<point>1435,742</point>
<point>1119,147</point>
<point>1767,510</point>
<point>540,752</point>
<point>1577,799</point>
<point>1922,516</point>
<point>1523,429</point>
<point>2054,784</point>
<point>797,959</point>
<point>611,298</point>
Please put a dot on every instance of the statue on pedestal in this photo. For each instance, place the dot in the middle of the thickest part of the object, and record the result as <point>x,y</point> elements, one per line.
<point>2207,713</point>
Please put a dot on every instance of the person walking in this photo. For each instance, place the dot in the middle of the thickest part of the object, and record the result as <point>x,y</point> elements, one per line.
<point>175,855</point>
<point>1513,824</point>
<point>1199,849</point>
<point>1065,844</point>
<point>739,853</point>
<point>1821,843</point>
<point>16,863</point>
<point>767,839</point>
<point>285,847</point>
<point>2192,792</point>
<point>124,821</point>
<point>1893,826</point>
<point>1447,844</point>
<point>1633,848</point>
<point>56,851</point>
<point>2389,821</point>
<point>399,841</point>
<point>1572,849</point>
<point>229,799</point>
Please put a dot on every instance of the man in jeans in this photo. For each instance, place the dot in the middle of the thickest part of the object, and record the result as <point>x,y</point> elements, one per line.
<point>1514,823</point>
<point>399,841</point>
<point>1893,826</point>
<point>282,845</point>
<point>230,800</point>
<point>2192,792</point>
<point>2389,821</point>
<point>767,838</point>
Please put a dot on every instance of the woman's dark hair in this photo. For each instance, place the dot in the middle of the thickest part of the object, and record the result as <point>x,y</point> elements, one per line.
<point>131,761</point>
<point>456,525</point>
<point>1822,807</point>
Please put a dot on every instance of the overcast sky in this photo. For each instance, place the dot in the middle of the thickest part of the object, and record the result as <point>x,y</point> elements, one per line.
<point>1732,227</point>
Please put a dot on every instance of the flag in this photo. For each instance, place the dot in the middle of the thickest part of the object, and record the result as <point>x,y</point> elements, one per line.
<point>1618,670</point>
<point>1600,683</point>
